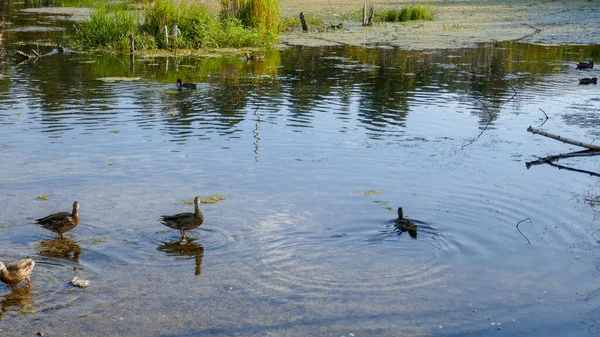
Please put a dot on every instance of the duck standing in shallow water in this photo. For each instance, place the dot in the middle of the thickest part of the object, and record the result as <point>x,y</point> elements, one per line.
<point>585,65</point>
<point>15,272</point>
<point>406,225</point>
<point>586,80</point>
<point>61,222</point>
<point>185,221</point>
<point>181,85</point>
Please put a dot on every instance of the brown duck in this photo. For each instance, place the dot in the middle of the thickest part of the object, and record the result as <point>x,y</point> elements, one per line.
<point>15,272</point>
<point>257,57</point>
<point>182,85</point>
<point>405,224</point>
<point>184,221</point>
<point>61,222</point>
<point>585,65</point>
<point>587,80</point>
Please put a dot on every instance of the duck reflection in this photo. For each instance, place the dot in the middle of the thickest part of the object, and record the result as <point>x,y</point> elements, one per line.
<point>19,299</point>
<point>65,248</point>
<point>185,248</point>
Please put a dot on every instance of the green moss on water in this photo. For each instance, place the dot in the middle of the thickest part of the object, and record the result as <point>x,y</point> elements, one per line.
<point>100,240</point>
<point>213,199</point>
<point>369,193</point>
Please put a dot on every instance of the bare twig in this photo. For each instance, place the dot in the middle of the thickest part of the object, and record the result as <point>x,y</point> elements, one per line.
<point>513,89</point>
<point>484,128</point>
<point>562,167</point>
<point>545,120</point>
<point>545,160</point>
<point>528,242</point>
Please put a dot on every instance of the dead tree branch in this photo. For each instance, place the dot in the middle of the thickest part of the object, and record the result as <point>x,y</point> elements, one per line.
<point>563,139</point>
<point>545,160</point>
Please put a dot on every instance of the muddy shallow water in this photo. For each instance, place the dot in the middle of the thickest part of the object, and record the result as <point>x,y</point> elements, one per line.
<point>313,148</point>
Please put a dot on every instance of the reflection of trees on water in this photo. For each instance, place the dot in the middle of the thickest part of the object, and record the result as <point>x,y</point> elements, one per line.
<point>19,299</point>
<point>185,248</point>
<point>299,83</point>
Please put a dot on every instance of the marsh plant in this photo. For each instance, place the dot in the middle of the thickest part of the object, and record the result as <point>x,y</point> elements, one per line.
<point>407,13</point>
<point>260,14</point>
<point>108,26</point>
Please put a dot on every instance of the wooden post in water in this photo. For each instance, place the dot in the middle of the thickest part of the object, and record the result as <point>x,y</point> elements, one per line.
<point>303,21</point>
<point>131,42</point>
<point>166,30</point>
<point>175,34</point>
<point>371,15</point>
<point>365,14</point>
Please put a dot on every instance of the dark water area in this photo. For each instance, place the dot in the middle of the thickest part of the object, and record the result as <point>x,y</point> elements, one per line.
<point>314,149</point>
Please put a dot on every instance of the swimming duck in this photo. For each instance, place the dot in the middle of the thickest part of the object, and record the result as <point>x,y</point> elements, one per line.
<point>257,57</point>
<point>586,80</point>
<point>405,224</point>
<point>15,272</point>
<point>182,85</point>
<point>585,65</point>
<point>60,48</point>
<point>61,222</point>
<point>184,221</point>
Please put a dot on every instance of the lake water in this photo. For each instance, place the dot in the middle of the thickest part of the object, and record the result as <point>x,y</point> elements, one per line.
<point>313,149</point>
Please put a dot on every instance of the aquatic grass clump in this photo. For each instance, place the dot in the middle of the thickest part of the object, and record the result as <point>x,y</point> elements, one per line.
<point>407,13</point>
<point>263,15</point>
<point>107,27</point>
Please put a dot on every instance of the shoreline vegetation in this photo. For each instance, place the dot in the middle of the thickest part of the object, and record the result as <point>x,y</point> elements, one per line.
<point>165,25</point>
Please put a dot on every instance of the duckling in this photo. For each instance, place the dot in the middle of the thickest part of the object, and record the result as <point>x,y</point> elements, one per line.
<point>257,57</point>
<point>61,222</point>
<point>184,221</point>
<point>15,272</point>
<point>585,65</point>
<point>182,85</point>
<point>405,224</point>
<point>586,80</point>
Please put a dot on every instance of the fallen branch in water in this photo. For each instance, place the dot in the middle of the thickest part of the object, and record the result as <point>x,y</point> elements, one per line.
<point>563,139</point>
<point>562,167</point>
<point>546,160</point>
<point>528,242</point>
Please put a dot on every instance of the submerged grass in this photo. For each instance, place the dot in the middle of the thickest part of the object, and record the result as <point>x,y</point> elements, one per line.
<point>108,27</point>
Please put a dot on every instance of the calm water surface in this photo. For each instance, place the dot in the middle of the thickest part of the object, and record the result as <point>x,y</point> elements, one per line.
<point>313,149</point>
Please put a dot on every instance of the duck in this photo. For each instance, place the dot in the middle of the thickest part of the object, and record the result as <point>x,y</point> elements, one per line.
<point>585,65</point>
<point>404,224</point>
<point>182,85</point>
<point>14,272</point>
<point>61,49</point>
<point>184,221</point>
<point>586,80</point>
<point>61,222</point>
<point>257,57</point>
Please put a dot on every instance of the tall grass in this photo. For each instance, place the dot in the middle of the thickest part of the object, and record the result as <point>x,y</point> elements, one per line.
<point>108,28</point>
<point>260,14</point>
<point>407,13</point>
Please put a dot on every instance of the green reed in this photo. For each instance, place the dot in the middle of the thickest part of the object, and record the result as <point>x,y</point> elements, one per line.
<point>108,28</point>
<point>407,13</point>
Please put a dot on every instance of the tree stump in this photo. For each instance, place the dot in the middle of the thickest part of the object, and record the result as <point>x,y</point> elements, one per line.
<point>303,21</point>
